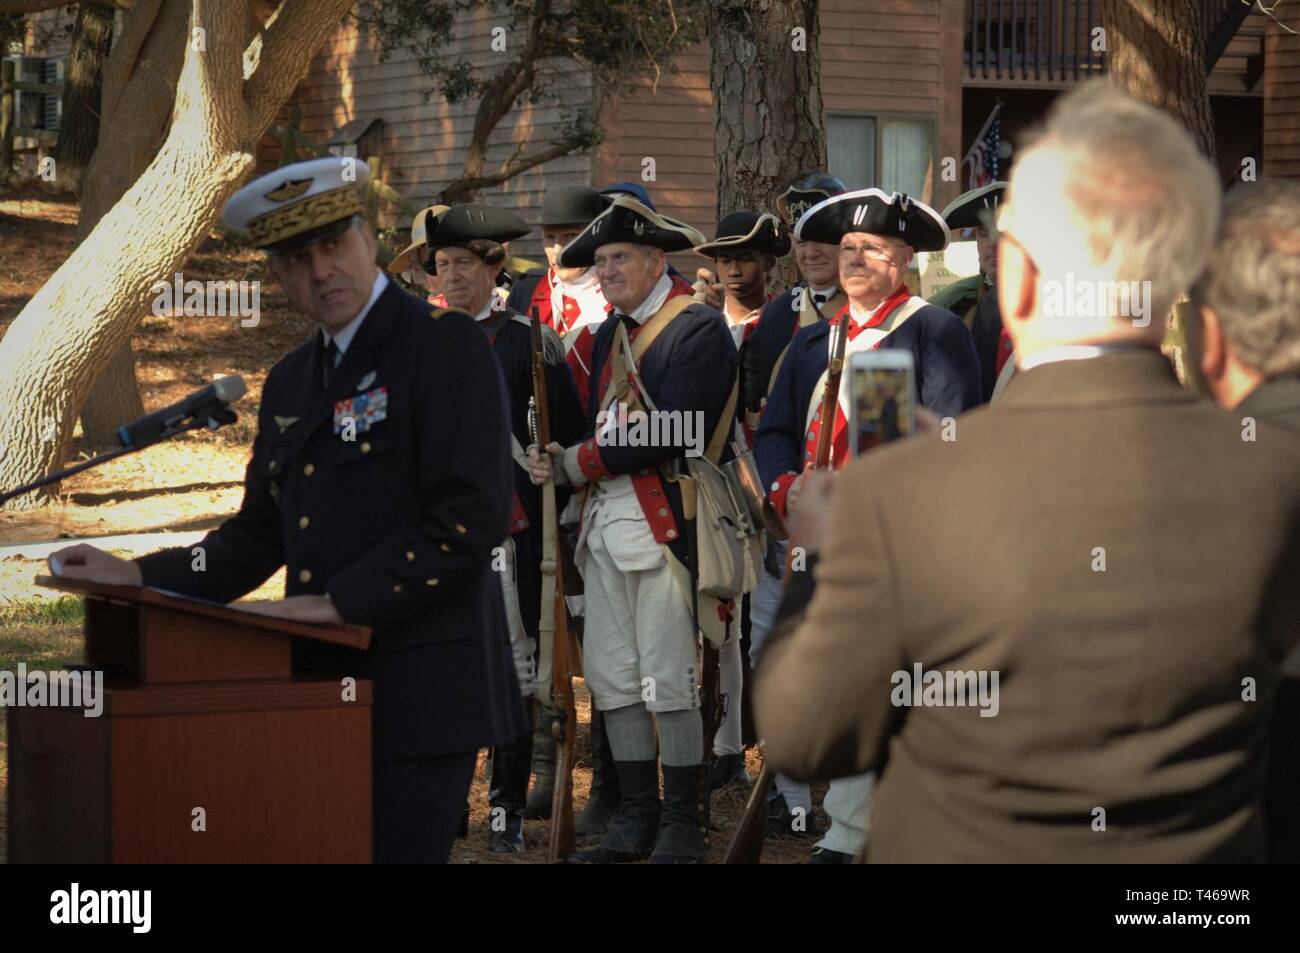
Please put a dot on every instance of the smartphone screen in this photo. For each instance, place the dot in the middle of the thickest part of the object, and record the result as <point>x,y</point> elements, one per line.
<point>883,397</point>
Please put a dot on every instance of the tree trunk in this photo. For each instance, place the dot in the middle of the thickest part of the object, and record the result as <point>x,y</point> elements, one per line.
<point>94,301</point>
<point>153,33</point>
<point>1155,50</point>
<point>767,100</point>
<point>82,90</point>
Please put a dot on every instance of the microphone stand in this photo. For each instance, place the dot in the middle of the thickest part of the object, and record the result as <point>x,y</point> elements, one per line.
<point>209,421</point>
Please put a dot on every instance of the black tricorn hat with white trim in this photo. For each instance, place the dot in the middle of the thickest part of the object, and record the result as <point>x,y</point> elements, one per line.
<point>965,210</point>
<point>750,230</point>
<point>891,214</point>
<point>627,220</point>
<point>804,193</point>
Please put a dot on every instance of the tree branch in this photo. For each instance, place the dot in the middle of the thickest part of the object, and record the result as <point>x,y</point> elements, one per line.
<point>155,65</point>
<point>290,40</point>
<point>469,184</point>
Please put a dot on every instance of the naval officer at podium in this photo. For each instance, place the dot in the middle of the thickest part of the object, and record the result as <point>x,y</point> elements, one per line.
<point>380,476</point>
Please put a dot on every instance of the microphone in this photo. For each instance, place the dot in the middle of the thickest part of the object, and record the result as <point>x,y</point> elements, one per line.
<point>207,407</point>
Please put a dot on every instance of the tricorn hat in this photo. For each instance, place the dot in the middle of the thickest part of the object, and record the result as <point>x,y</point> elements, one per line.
<point>965,210</point>
<point>414,253</point>
<point>627,220</point>
<point>473,221</point>
<point>892,214</point>
<point>572,205</point>
<point>299,204</point>
<point>760,232</point>
<point>805,192</point>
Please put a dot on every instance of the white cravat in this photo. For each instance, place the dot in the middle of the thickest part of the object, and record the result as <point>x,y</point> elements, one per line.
<point>654,301</point>
<point>862,317</point>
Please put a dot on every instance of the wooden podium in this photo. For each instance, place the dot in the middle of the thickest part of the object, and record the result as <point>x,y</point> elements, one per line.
<point>200,711</point>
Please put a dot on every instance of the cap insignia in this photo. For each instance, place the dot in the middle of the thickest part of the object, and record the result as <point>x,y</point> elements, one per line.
<point>289,190</point>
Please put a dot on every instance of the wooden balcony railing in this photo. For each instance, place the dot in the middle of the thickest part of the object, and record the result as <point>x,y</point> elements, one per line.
<point>1051,41</point>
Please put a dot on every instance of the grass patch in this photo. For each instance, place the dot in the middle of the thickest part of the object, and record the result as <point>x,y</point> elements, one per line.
<point>65,610</point>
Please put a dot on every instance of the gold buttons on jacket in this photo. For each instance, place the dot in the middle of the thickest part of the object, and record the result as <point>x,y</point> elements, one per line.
<point>303,522</point>
<point>397,587</point>
<point>410,556</point>
<point>460,528</point>
<point>365,446</point>
<point>309,469</point>
<point>304,575</point>
<point>431,582</point>
<point>444,547</point>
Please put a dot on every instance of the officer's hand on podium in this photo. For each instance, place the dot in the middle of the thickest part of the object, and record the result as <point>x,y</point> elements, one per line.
<point>297,608</point>
<point>94,565</point>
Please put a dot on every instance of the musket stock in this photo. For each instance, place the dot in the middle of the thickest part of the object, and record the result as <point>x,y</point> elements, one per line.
<point>553,626</point>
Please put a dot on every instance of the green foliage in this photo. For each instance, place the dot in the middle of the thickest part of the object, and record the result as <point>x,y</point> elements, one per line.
<point>13,28</point>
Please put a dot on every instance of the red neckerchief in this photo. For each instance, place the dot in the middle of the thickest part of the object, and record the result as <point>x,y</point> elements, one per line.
<point>562,323</point>
<point>840,435</point>
<point>885,309</point>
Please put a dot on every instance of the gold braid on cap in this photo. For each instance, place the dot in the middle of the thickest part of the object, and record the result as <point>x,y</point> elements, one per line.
<point>283,223</point>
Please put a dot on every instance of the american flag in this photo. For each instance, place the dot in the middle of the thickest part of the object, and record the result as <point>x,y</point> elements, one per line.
<point>983,155</point>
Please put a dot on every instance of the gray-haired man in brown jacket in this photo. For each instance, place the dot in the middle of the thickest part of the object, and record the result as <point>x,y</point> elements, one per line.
<point>1057,627</point>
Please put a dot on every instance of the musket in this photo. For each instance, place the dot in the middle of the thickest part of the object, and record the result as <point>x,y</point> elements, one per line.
<point>554,623</point>
<point>746,845</point>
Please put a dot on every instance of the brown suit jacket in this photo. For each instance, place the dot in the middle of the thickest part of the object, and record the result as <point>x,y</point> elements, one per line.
<point>1118,689</point>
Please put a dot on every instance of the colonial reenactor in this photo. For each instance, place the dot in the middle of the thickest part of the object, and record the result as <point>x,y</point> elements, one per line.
<point>744,251</point>
<point>412,262</point>
<point>979,311</point>
<point>466,252</point>
<point>877,234</point>
<point>567,299</point>
<point>381,478</point>
<point>657,350</point>
<point>818,289</point>
<point>790,807</point>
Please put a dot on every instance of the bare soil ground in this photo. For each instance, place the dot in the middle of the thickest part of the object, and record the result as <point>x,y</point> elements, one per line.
<point>196,480</point>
